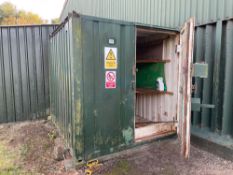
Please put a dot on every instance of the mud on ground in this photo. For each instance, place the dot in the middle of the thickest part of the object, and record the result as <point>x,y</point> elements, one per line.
<point>27,148</point>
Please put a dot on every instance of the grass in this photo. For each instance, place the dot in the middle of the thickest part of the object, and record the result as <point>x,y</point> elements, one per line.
<point>7,161</point>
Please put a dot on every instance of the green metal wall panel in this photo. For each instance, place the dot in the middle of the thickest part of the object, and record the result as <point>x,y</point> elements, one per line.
<point>214,45</point>
<point>228,80</point>
<point>102,119</point>
<point>166,13</point>
<point>24,72</point>
<point>65,83</point>
<point>105,125</point>
<point>78,86</point>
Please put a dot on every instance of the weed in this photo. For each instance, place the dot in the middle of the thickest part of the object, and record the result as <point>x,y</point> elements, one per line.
<point>52,135</point>
<point>122,167</point>
<point>24,150</point>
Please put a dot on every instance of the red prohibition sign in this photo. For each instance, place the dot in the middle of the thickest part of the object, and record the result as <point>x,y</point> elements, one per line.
<point>111,76</point>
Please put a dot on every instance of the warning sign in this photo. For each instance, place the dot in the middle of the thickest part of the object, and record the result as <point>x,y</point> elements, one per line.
<point>110,79</point>
<point>110,58</point>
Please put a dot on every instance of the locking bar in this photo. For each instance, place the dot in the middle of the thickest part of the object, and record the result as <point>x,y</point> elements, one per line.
<point>196,105</point>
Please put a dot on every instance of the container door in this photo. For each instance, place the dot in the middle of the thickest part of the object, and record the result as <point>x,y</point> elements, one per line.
<point>108,58</point>
<point>185,83</point>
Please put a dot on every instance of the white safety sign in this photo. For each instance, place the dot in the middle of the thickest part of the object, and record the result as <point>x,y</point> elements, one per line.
<point>110,79</point>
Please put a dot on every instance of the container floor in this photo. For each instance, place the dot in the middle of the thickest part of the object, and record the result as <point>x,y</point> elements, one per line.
<point>141,122</point>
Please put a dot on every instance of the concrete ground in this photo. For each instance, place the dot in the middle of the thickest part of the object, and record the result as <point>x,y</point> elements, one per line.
<point>28,148</point>
<point>163,158</point>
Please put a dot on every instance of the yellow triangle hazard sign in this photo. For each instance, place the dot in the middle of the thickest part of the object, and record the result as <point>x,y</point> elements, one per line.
<point>111,55</point>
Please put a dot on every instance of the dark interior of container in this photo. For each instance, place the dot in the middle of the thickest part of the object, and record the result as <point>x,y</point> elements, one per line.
<point>150,63</point>
<point>149,55</point>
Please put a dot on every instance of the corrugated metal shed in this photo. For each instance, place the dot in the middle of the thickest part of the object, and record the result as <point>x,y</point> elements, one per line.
<point>24,75</point>
<point>167,13</point>
<point>214,45</point>
<point>94,120</point>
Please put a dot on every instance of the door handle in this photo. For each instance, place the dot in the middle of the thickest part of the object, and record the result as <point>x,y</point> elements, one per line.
<point>133,85</point>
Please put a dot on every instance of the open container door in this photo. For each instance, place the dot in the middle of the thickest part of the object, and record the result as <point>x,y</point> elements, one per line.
<point>185,84</point>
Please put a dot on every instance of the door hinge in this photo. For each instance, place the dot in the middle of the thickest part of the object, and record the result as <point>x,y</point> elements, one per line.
<point>178,48</point>
<point>133,85</point>
<point>134,70</point>
<point>194,87</point>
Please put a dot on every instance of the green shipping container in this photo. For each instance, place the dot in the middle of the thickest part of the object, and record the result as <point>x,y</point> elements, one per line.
<point>94,65</point>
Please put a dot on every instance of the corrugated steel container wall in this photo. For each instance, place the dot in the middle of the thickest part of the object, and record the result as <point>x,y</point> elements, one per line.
<point>214,45</point>
<point>94,120</point>
<point>24,73</point>
<point>166,13</point>
<point>63,96</point>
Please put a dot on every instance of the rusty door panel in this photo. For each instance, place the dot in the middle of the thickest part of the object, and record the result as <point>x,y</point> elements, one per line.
<point>185,85</point>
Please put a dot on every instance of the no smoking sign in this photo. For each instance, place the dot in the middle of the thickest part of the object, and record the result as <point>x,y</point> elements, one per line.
<point>110,79</point>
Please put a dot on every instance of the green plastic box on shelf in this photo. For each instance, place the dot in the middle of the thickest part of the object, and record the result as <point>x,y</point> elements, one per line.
<point>147,75</point>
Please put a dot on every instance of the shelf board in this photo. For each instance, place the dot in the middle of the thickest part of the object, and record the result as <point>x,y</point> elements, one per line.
<point>152,61</point>
<point>151,91</point>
